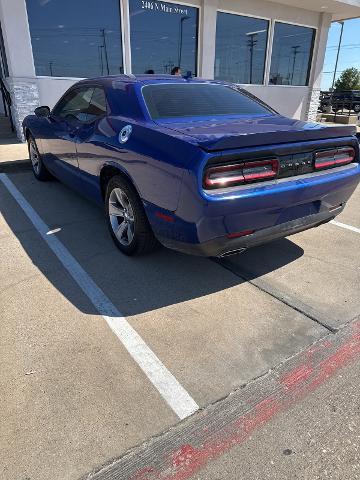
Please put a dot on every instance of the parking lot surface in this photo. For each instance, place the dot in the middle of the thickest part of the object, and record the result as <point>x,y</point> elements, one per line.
<point>102,352</point>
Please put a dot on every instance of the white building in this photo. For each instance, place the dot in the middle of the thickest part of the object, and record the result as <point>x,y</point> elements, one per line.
<point>275,49</point>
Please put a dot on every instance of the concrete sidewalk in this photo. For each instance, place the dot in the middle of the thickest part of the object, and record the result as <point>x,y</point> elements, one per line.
<point>11,150</point>
<point>13,154</point>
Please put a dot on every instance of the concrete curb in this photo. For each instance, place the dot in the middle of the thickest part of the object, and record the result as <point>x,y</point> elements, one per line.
<point>14,166</point>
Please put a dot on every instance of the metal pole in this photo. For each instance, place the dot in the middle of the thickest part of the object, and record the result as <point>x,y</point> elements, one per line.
<point>100,49</point>
<point>337,55</point>
<point>182,19</point>
<point>251,44</point>
<point>105,50</point>
<point>295,52</point>
<point>252,41</point>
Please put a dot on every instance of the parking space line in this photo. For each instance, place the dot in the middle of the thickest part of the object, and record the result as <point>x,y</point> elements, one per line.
<point>163,380</point>
<point>344,225</point>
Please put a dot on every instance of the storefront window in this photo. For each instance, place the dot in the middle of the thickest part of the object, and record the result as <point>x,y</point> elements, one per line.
<point>291,54</point>
<point>163,36</point>
<point>79,38</point>
<point>240,48</point>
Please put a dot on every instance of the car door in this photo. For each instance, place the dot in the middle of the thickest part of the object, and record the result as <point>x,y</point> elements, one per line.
<point>90,145</point>
<point>65,120</point>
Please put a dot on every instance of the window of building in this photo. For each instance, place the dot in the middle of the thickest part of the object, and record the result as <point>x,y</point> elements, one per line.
<point>240,48</point>
<point>291,54</point>
<point>163,36</point>
<point>79,38</point>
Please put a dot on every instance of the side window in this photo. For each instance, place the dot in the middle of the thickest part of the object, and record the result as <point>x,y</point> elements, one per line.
<point>76,103</point>
<point>97,107</point>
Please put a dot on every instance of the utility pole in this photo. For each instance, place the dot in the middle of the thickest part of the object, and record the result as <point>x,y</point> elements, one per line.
<point>251,44</point>
<point>105,50</point>
<point>337,55</point>
<point>100,50</point>
<point>182,19</point>
<point>252,41</point>
<point>295,52</point>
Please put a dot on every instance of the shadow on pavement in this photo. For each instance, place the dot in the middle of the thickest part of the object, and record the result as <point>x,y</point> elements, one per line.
<point>134,284</point>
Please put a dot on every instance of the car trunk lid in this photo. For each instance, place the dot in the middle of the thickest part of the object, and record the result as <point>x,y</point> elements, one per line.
<point>218,134</point>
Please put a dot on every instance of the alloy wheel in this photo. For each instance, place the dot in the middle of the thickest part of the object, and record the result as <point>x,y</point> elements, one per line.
<point>121,216</point>
<point>34,157</point>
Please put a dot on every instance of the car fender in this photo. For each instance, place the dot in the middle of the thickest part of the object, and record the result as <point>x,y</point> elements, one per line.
<point>152,159</point>
<point>35,126</point>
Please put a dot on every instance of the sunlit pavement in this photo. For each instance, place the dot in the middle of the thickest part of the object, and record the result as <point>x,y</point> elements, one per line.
<point>77,394</point>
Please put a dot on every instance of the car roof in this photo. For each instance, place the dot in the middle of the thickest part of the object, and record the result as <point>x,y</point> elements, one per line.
<point>144,79</point>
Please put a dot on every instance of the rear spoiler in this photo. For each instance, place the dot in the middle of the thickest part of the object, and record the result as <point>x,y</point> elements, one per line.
<point>249,139</point>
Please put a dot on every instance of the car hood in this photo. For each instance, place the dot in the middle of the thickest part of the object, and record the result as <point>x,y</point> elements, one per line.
<point>215,134</point>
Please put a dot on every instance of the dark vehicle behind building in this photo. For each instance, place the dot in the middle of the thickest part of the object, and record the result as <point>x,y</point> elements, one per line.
<point>348,100</point>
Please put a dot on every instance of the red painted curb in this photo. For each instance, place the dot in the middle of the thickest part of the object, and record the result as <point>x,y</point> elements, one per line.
<point>207,435</point>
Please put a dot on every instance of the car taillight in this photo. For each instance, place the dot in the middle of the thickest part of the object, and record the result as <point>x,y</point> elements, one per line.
<point>229,175</point>
<point>260,170</point>
<point>332,158</point>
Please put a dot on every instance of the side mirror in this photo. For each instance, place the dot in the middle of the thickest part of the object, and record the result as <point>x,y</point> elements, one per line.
<point>42,111</point>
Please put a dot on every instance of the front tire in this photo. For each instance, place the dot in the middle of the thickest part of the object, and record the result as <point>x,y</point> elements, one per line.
<point>126,218</point>
<point>39,170</point>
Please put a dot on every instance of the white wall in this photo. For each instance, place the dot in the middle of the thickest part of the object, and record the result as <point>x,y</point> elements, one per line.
<point>289,101</point>
<point>52,88</point>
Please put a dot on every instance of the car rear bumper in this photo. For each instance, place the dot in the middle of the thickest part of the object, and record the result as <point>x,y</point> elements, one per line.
<point>224,246</point>
<point>212,225</point>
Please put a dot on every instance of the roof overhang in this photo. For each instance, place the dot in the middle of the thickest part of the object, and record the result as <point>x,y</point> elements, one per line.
<point>339,9</point>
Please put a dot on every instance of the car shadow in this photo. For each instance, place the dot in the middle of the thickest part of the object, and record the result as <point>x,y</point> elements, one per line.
<point>133,284</point>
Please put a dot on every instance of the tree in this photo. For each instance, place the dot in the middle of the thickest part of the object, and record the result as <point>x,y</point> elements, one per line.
<point>348,80</point>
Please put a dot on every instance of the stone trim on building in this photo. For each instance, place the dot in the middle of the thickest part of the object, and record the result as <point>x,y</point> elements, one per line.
<point>313,105</point>
<point>25,98</point>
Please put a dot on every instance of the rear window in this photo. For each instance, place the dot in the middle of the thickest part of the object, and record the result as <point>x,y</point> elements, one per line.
<point>198,100</point>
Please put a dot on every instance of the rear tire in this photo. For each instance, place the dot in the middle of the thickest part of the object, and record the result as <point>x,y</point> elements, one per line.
<point>126,218</point>
<point>39,170</point>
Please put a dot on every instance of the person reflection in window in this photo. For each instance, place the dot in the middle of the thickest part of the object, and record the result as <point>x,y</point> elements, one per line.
<point>176,71</point>
<point>150,72</point>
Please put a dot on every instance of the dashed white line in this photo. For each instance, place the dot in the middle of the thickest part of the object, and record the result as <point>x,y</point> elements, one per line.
<point>344,225</point>
<point>163,380</point>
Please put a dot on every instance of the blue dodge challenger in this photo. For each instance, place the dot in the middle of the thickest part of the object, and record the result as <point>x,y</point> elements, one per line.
<point>200,166</point>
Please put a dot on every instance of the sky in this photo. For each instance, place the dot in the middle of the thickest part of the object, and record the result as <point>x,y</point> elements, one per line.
<point>349,53</point>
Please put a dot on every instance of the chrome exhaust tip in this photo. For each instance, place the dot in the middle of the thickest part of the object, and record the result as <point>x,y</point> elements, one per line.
<point>232,252</point>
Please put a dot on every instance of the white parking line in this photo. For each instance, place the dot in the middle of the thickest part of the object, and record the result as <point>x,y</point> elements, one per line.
<point>344,225</point>
<point>163,380</point>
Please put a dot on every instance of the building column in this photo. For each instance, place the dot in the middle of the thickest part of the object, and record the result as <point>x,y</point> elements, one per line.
<point>125,29</point>
<point>21,82</point>
<point>311,106</point>
<point>207,38</point>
